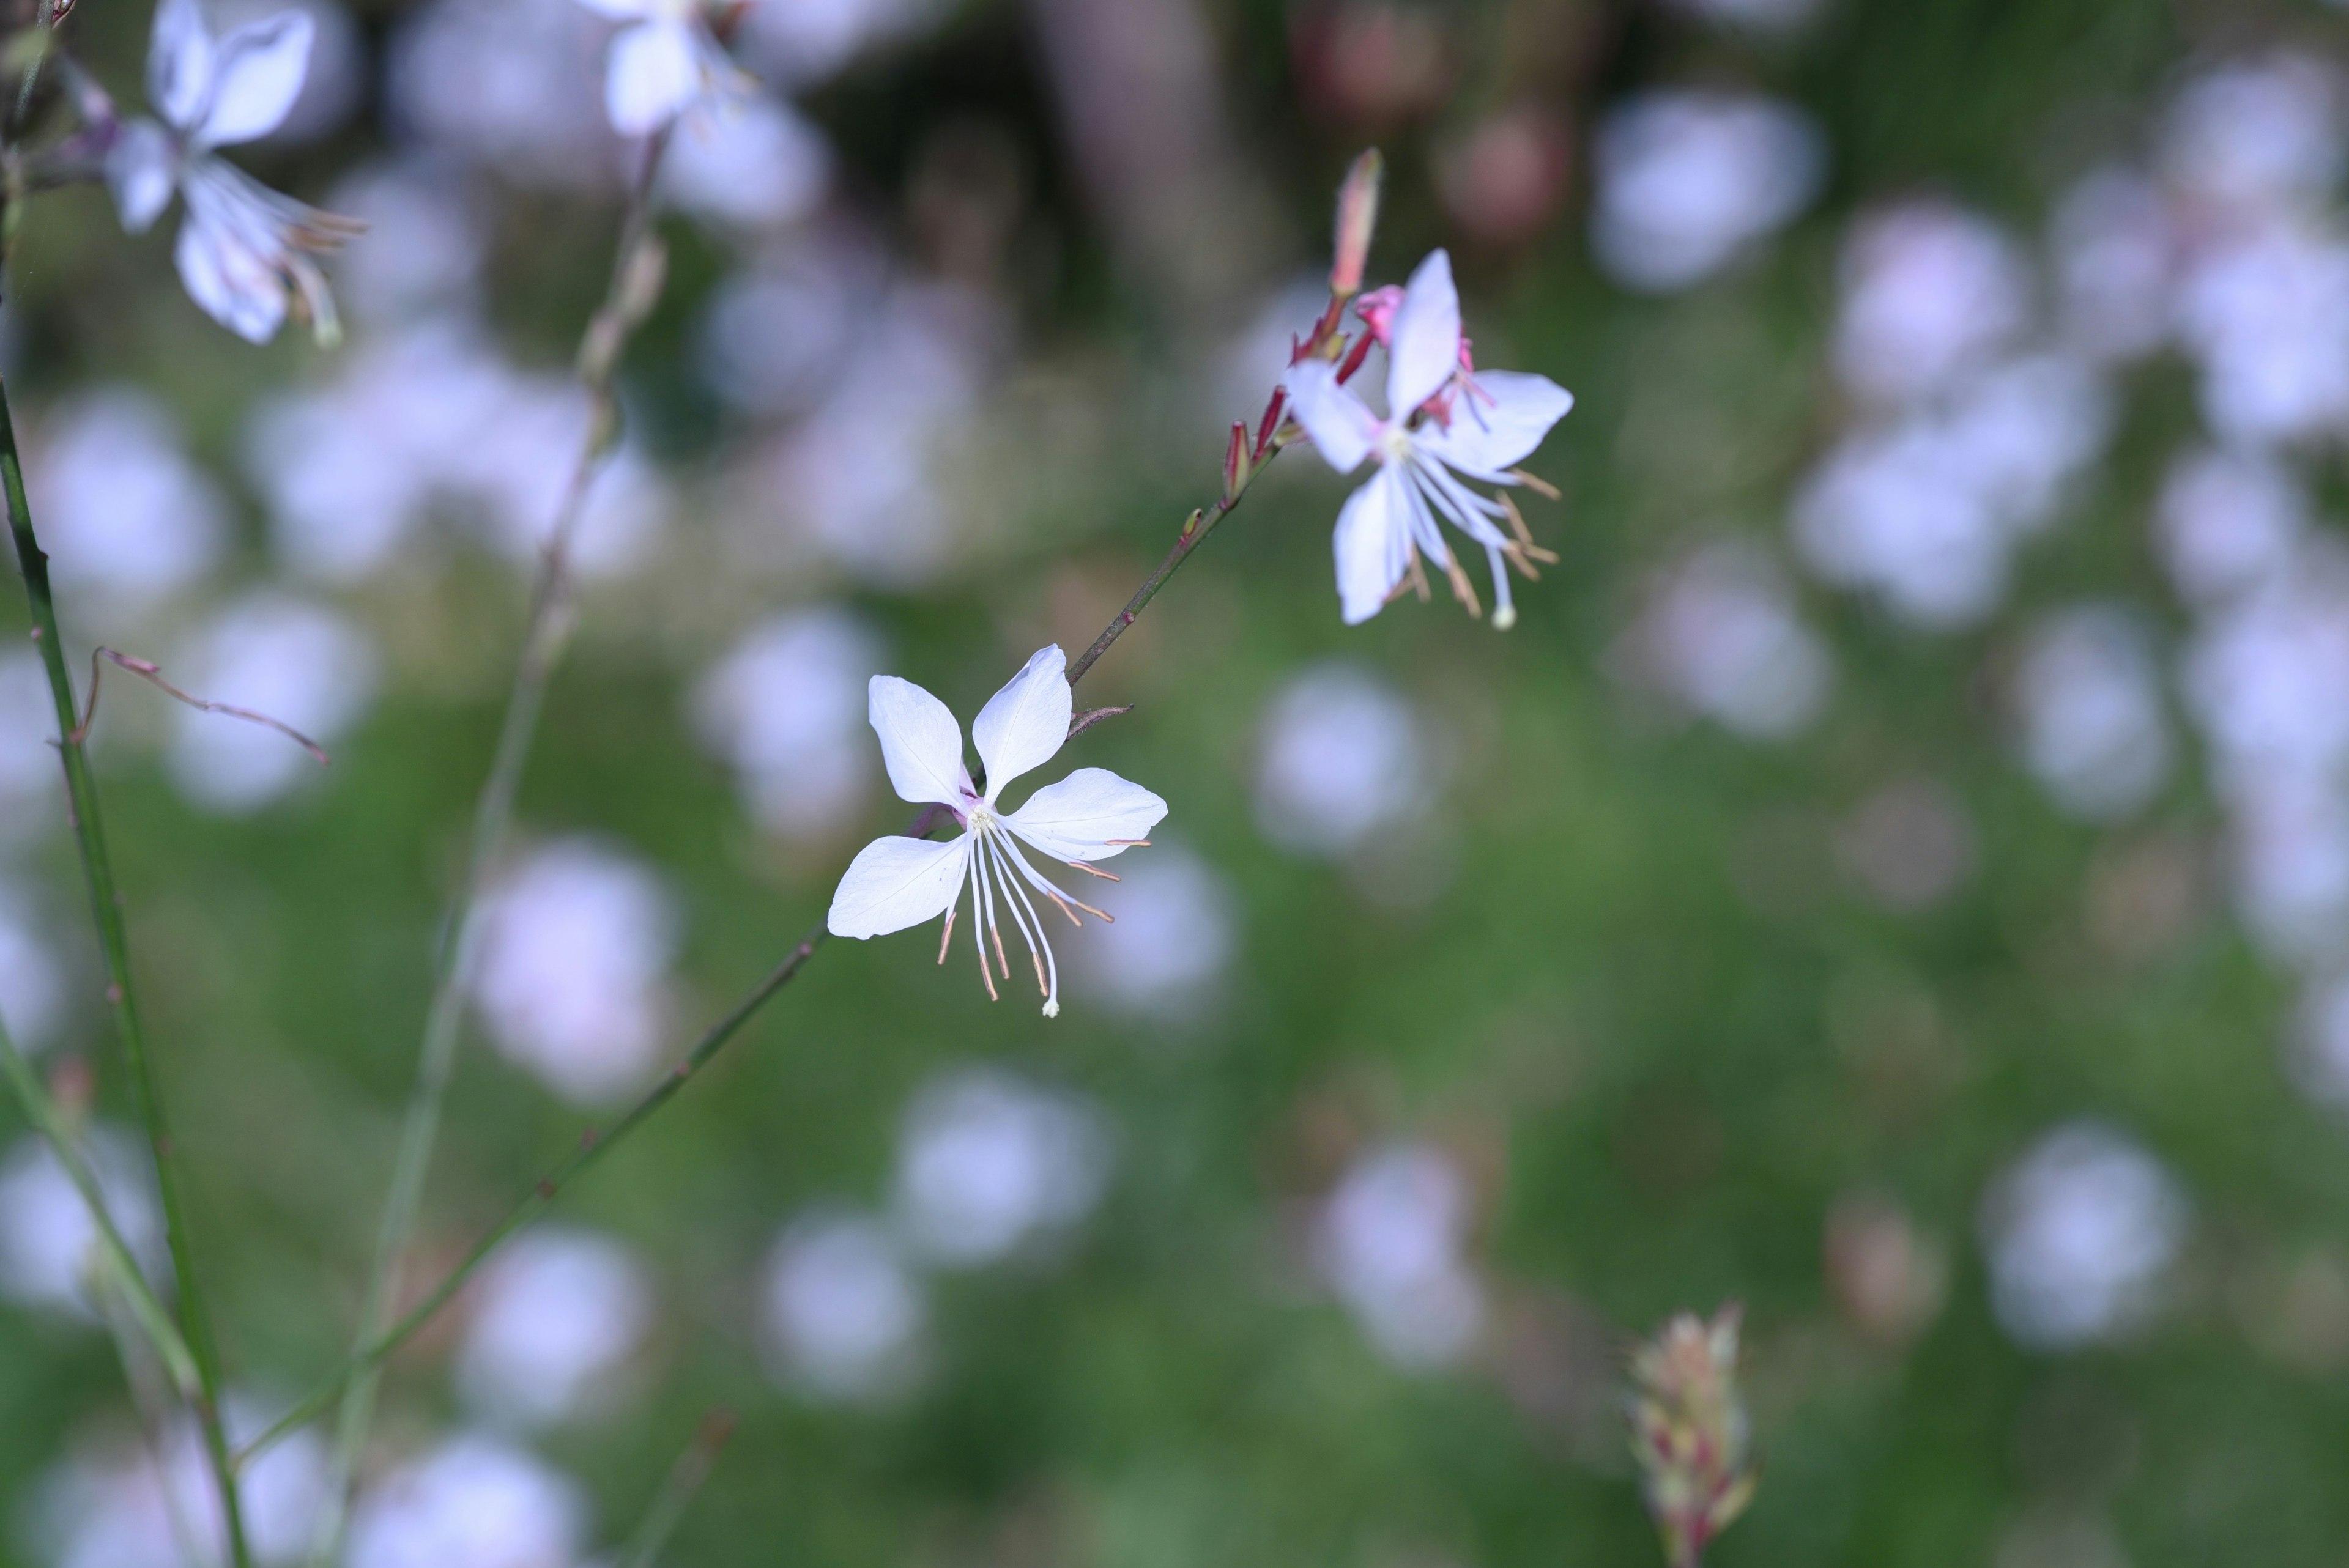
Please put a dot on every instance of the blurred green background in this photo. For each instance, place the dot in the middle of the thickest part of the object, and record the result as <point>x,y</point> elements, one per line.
<point>1510,991</point>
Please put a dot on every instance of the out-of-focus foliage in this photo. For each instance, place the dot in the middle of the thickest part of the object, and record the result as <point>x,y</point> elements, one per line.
<point>1895,873</point>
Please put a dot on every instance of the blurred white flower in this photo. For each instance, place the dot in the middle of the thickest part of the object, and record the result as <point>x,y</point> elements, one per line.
<point>571,973</point>
<point>474,1502</point>
<point>861,475</point>
<point>1341,757</point>
<point>433,243</point>
<point>554,1319</point>
<point>750,163</point>
<point>2079,1232</point>
<point>49,1242</point>
<point>1393,1242</point>
<point>808,40</point>
<point>663,61</point>
<point>2093,729</point>
<point>1175,933</point>
<point>1686,181</point>
<point>1930,292</point>
<point>1926,511</point>
<point>2319,1055</point>
<point>2289,837</point>
<point>777,337</point>
<point>2257,135</point>
<point>2264,678</point>
<point>349,468</point>
<point>1475,426</point>
<point>512,85</point>
<point>435,414</point>
<point>124,514</point>
<point>301,663</point>
<point>32,973</point>
<point>1091,815</point>
<point>127,1509</point>
<point>2229,523</point>
<point>841,1313</point>
<point>1720,633</point>
<point>243,250</point>
<point>335,86</point>
<point>2266,315</point>
<point>2117,250</point>
<point>988,1164</point>
<point>786,709</point>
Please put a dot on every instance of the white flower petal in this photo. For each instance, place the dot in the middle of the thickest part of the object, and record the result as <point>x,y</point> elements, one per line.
<point>180,63</point>
<point>1373,546</point>
<point>227,280</point>
<point>654,72</point>
<point>895,883</point>
<point>1023,725</point>
<point>921,744</point>
<point>1342,427</point>
<point>622,10</point>
<point>256,79</point>
<point>1423,346</point>
<point>1088,816</point>
<point>1498,424</point>
<point>140,168</point>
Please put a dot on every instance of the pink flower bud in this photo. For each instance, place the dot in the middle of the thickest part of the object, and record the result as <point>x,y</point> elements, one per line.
<point>1357,215</point>
<point>1235,462</point>
<point>1377,309</point>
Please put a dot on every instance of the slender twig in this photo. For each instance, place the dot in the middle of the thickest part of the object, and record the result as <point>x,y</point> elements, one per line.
<point>152,1319</point>
<point>685,1478</point>
<point>634,283</point>
<point>592,1146</point>
<point>45,20</point>
<point>152,674</point>
<point>106,905</point>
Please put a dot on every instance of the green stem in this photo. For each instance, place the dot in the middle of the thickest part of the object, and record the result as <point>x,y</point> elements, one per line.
<point>685,1480</point>
<point>106,905</point>
<point>146,1309</point>
<point>1194,532</point>
<point>592,1147</point>
<point>545,636</point>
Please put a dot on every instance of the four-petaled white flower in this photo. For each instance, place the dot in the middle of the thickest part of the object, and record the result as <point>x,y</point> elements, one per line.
<point>1091,815</point>
<point>664,60</point>
<point>243,250</point>
<point>1444,422</point>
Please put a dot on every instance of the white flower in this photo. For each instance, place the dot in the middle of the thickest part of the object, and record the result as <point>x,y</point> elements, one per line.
<point>664,61</point>
<point>1442,423</point>
<point>1091,815</point>
<point>243,250</point>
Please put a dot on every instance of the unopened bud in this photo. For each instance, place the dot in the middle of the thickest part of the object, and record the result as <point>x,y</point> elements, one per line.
<point>1235,463</point>
<point>1689,1431</point>
<point>1357,215</point>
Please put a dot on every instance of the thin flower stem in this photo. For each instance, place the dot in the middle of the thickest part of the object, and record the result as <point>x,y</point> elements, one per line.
<point>592,1147</point>
<point>1201,523</point>
<point>546,634</point>
<point>106,906</point>
<point>686,1479</point>
<point>152,1319</point>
